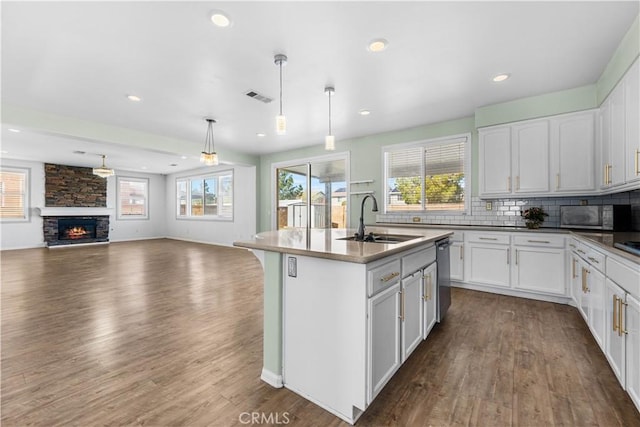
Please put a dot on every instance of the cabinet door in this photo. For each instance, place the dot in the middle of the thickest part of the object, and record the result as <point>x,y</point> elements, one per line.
<point>384,339</point>
<point>573,153</point>
<point>456,261</point>
<point>596,285</point>
<point>631,326</point>
<point>614,338</point>
<point>585,297</point>
<point>539,270</point>
<point>411,313</point>
<point>605,143</point>
<point>632,123</point>
<point>575,279</point>
<point>530,157</point>
<point>617,155</point>
<point>488,264</point>
<point>429,296</point>
<point>495,161</point>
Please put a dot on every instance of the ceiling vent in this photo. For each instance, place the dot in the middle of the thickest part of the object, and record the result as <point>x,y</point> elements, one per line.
<point>255,95</point>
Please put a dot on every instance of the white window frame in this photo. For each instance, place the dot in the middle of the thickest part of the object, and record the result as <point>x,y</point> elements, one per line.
<point>127,217</point>
<point>27,194</point>
<point>217,174</point>
<point>423,143</point>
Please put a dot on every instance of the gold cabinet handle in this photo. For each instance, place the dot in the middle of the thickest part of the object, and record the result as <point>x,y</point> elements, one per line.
<point>508,183</point>
<point>581,251</point>
<point>615,313</point>
<point>461,251</point>
<point>538,241</point>
<point>586,280</point>
<point>402,305</point>
<point>609,174</point>
<point>557,181</point>
<point>572,245</point>
<point>592,259</point>
<point>508,255</point>
<point>487,238</point>
<point>427,285</point>
<point>390,276</point>
<point>621,328</point>
<point>636,161</point>
<point>517,182</point>
<point>516,257</point>
<point>573,268</point>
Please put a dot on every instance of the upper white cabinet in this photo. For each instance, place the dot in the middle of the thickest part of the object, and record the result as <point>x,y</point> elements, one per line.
<point>620,134</point>
<point>632,122</point>
<point>495,161</point>
<point>550,156</point>
<point>530,157</point>
<point>573,153</point>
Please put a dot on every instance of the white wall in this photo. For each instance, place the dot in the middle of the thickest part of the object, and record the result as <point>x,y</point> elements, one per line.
<point>21,235</point>
<point>136,229</point>
<point>242,227</point>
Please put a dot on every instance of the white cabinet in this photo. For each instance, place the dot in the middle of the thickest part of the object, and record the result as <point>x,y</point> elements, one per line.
<point>495,161</point>
<point>632,122</point>
<point>530,157</point>
<point>632,329</point>
<point>531,252</point>
<point>411,313</point>
<point>615,340</point>
<point>595,285</point>
<point>620,133</point>
<point>456,256</point>
<point>589,272</point>
<point>384,347</point>
<point>488,259</point>
<point>429,297</point>
<point>573,152</point>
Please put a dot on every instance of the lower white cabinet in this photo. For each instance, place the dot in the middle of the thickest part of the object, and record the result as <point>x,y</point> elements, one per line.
<point>595,284</point>
<point>539,269</point>
<point>575,279</point>
<point>615,340</point>
<point>429,297</point>
<point>411,313</point>
<point>632,330</point>
<point>384,329</point>
<point>488,264</point>
<point>456,261</point>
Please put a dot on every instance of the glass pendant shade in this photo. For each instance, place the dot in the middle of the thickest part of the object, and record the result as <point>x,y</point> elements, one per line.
<point>208,156</point>
<point>281,120</point>
<point>330,142</point>
<point>281,124</point>
<point>103,171</point>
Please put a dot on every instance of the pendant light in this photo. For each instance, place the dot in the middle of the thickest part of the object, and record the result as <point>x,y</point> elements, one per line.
<point>103,171</point>
<point>208,156</point>
<point>329,140</point>
<point>281,120</point>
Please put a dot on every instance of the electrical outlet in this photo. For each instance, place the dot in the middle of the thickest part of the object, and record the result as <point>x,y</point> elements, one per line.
<point>416,219</point>
<point>488,206</point>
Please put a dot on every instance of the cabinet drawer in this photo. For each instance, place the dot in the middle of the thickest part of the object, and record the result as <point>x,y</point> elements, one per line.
<point>541,240</point>
<point>595,258</point>
<point>417,260</point>
<point>624,275</point>
<point>382,277</point>
<point>502,238</point>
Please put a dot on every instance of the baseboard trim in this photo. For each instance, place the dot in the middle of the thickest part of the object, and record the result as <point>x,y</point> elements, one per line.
<point>199,241</point>
<point>274,380</point>
<point>560,299</point>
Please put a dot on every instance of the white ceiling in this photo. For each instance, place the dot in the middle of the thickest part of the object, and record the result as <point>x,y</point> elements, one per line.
<point>80,59</point>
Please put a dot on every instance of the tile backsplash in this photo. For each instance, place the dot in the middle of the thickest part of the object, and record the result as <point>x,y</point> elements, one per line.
<point>506,212</point>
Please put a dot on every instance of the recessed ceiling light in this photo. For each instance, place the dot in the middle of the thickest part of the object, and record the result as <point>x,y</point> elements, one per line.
<point>4,152</point>
<point>14,130</point>
<point>134,98</point>
<point>220,19</point>
<point>377,45</point>
<point>143,167</point>
<point>183,157</point>
<point>501,77</point>
<point>364,112</point>
<point>260,134</point>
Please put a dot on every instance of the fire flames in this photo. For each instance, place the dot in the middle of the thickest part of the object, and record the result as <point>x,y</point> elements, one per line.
<point>76,232</point>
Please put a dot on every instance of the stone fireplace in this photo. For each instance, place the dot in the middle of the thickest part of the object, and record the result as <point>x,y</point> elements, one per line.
<point>69,230</point>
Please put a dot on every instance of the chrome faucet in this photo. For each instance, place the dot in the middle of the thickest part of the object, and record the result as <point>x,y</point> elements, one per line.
<point>360,233</point>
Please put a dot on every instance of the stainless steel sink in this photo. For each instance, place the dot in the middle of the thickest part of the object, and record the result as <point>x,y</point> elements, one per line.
<point>382,238</point>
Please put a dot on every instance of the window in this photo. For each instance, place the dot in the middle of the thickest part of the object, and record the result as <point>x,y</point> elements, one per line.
<point>430,176</point>
<point>206,196</point>
<point>14,196</point>
<point>133,198</point>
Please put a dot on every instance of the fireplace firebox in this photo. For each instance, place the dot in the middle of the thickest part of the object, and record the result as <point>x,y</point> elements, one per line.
<point>77,229</point>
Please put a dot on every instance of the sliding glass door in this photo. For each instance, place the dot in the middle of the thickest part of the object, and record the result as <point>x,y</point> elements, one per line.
<point>312,194</point>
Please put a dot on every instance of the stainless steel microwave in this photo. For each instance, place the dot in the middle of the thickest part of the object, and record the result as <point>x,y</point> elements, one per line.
<point>596,217</point>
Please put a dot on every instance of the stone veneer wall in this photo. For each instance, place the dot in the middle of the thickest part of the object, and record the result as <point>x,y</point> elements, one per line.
<point>506,212</point>
<point>71,186</point>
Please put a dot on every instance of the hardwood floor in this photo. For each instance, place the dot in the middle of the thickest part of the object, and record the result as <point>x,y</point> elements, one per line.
<point>165,332</point>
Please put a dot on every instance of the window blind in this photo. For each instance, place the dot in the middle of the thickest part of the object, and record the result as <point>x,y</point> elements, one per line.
<point>13,194</point>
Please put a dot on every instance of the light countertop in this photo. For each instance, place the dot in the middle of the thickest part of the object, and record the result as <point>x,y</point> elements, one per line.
<point>325,243</point>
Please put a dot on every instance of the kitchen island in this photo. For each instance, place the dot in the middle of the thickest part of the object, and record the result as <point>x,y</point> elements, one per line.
<point>341,316</point>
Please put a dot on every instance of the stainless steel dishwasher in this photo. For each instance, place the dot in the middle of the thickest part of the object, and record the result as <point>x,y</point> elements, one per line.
<point>444,277</point>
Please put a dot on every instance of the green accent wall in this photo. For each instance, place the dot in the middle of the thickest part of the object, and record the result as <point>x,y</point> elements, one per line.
<point>272,335</point>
